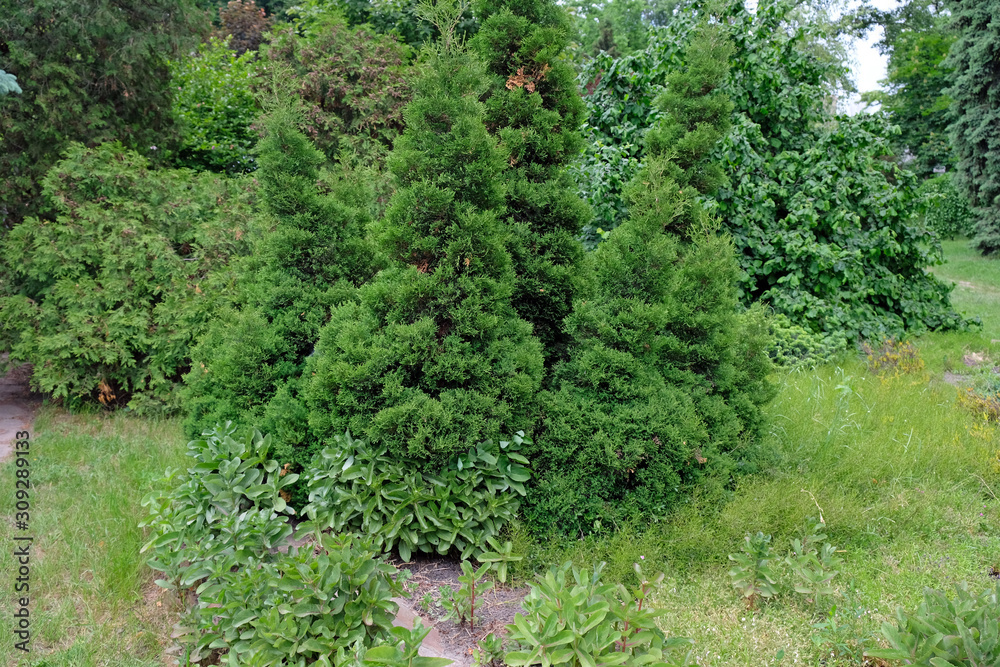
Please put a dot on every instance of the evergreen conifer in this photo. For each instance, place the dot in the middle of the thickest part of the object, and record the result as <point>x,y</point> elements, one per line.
<point>432,357</point>
<point>665,377</point>
<point>975,111</point>
<point>533,106</point>
<point>310,255</point>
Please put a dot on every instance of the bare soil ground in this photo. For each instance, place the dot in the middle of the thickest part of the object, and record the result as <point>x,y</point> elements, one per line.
<point>17,405</point>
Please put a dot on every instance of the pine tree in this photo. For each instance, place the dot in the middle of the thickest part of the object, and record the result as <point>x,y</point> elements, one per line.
<point>534,108</point>
<point>664,376</point>
<point>310,256</point>
<point>432,357</point>
<point>975,112</point>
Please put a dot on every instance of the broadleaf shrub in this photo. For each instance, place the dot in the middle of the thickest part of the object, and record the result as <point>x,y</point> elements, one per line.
<point>461,508</point>
<point>230,504</point>
<point>946,211</point>
<point>218,535</point>
<point>106,299</point>
<point>214,106</point>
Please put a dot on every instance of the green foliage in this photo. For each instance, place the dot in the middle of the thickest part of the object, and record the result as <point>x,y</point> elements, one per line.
<point>916,81</point>
<point>975,114</point>
<point>821,221</point>
<point>813,563</point>
<point>488,652</point>
<point>499,559</point>
<point>665,377</point>
<point>106,299</point>
<point>298,608</point>
<point>463,507</point>
<point>946,211</point>
<point>309,255</point>
<point>753,575</point>
<point>99,80</point>
<point>534,109</point>
<point>219,533</point>
<point>961,631</point>
<point>574,619</point>
<point>214,107</point>
<point>353,84</point>
<point>828,233</point>
<point>432,358</point>
<point>228,510</point>
<point>460,604</point>
<point>402,19</point>
<point>843,631</point>
<point>793,345</point>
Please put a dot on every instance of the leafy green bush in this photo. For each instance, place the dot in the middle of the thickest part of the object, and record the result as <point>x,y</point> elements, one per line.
<point>217,535</point>
<point>214,107</point>
<point>463,507</point>
<point>228,510</point>
<point>573,619</point>
<point>432,357</point>
<point>665,376</point>
<point>961,631</point>
<point>107,299</point>
<point>299,608</point>
<point>945,209</point>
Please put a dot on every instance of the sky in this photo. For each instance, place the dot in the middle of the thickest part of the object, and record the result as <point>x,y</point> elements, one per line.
<point>868,64</point>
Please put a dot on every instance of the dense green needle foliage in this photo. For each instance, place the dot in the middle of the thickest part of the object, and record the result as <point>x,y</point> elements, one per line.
<point>309,256</point>
<point>432,358</point>
<point>975,113</point>
<point>99,79</point>
<point>534,108</point>
<point>107,298</point>
<point>664,376</point>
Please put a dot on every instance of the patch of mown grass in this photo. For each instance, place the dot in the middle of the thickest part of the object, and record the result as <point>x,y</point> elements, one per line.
<point>92,598</point>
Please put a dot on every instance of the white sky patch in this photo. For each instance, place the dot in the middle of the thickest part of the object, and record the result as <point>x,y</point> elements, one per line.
<point>867,65</point>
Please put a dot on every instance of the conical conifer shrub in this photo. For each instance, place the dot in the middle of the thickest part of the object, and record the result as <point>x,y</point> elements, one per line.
<point>533,106</point>
<point>664,376</point>
<point>433,357</point>
<point>310,255</point>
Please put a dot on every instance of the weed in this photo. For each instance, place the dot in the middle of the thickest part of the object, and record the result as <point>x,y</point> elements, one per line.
<point>461,604</point>
<point>753,575</point>
<point>892,357</point>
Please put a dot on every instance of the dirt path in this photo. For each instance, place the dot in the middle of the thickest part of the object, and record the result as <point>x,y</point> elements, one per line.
<point>17,406</point>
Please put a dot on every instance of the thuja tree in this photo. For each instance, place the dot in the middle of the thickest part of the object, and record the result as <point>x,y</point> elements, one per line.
<point>309,256</point>
<point>665,377</point>
<point>432,357</point>
<point>975,111</point>
<point>534,108</point>
<point>100,79</point>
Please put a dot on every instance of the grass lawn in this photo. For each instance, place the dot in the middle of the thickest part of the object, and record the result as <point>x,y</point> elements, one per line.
<point>906,482</point>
